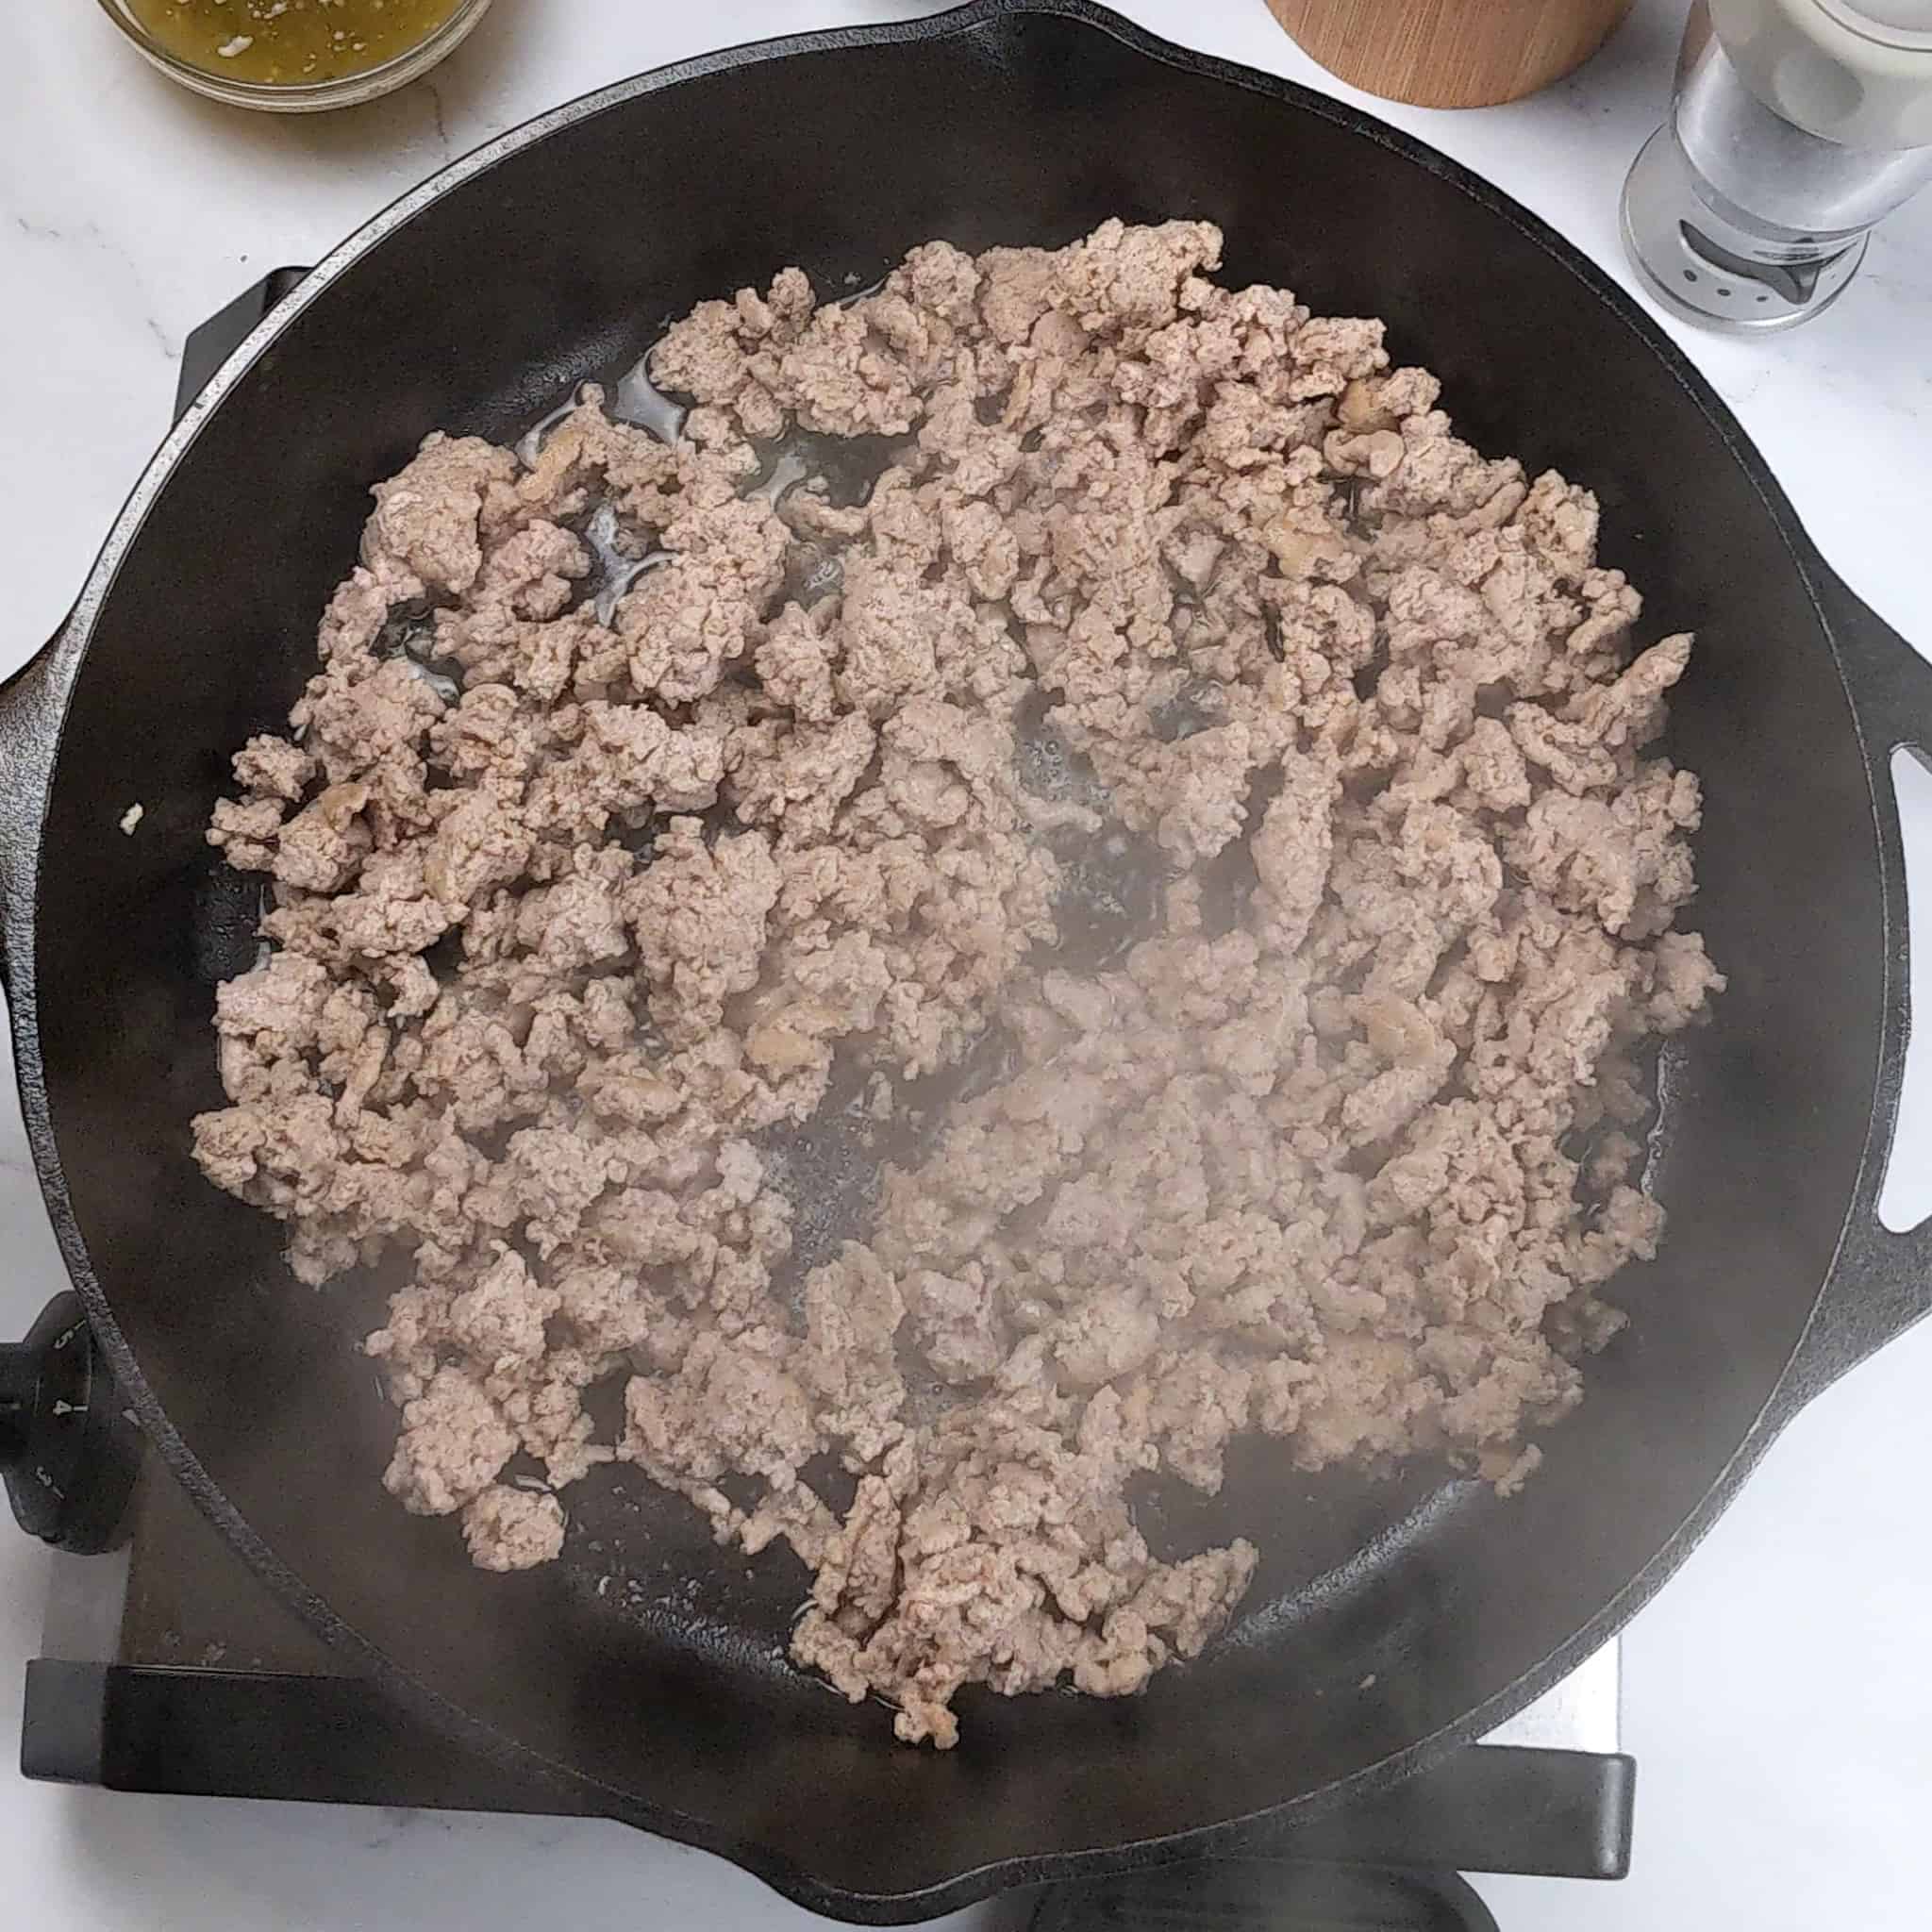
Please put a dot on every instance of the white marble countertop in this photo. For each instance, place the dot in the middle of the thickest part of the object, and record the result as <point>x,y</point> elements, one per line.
<point>1778,1694</point>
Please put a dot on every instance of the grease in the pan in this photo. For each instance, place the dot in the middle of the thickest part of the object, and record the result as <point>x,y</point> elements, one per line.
<point>641,401</point>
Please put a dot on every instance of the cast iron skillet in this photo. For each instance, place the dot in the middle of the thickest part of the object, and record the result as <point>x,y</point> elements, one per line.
<point>556,254</point>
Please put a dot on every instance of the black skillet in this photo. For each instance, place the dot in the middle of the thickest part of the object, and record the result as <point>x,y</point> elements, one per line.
<point>1388,1623</point>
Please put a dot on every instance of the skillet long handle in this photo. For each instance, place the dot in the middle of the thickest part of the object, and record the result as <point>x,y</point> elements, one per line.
<point>1880,1282</point>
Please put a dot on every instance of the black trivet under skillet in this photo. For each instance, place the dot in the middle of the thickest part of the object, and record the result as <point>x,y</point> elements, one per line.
<point>1266,1895</point>
<point>245,1734</point>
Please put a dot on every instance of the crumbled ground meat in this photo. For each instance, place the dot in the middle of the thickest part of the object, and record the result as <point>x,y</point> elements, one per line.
<point>508,1528</point>
<point>1220,786</point>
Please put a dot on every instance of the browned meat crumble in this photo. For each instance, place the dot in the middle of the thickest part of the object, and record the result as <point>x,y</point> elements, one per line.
<point>1223,779</point>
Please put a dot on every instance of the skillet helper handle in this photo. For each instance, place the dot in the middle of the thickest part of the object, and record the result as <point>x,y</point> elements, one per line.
<point>1880,1282</point>
<point>208,347</point>
<point>68,1454</point>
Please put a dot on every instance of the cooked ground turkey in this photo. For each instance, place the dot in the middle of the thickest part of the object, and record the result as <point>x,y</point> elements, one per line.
<point>1191,815</point>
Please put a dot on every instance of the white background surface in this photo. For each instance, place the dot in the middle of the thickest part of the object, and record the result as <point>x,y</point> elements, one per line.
<point>1779,1696</point>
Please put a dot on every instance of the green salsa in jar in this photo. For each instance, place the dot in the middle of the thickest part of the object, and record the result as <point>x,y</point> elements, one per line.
<point>288,42</point>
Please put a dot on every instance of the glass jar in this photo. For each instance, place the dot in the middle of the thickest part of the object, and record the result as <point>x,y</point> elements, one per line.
<point>303,96</point>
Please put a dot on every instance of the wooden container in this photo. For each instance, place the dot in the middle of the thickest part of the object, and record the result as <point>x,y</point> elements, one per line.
<point>1450,53</point>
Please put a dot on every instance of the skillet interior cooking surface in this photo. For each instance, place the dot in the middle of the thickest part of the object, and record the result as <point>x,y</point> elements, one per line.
<point>647,1660</point>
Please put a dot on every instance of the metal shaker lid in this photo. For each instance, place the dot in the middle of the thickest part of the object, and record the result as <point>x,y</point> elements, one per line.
<point>1898,22</point>
<point>1854,72</point>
